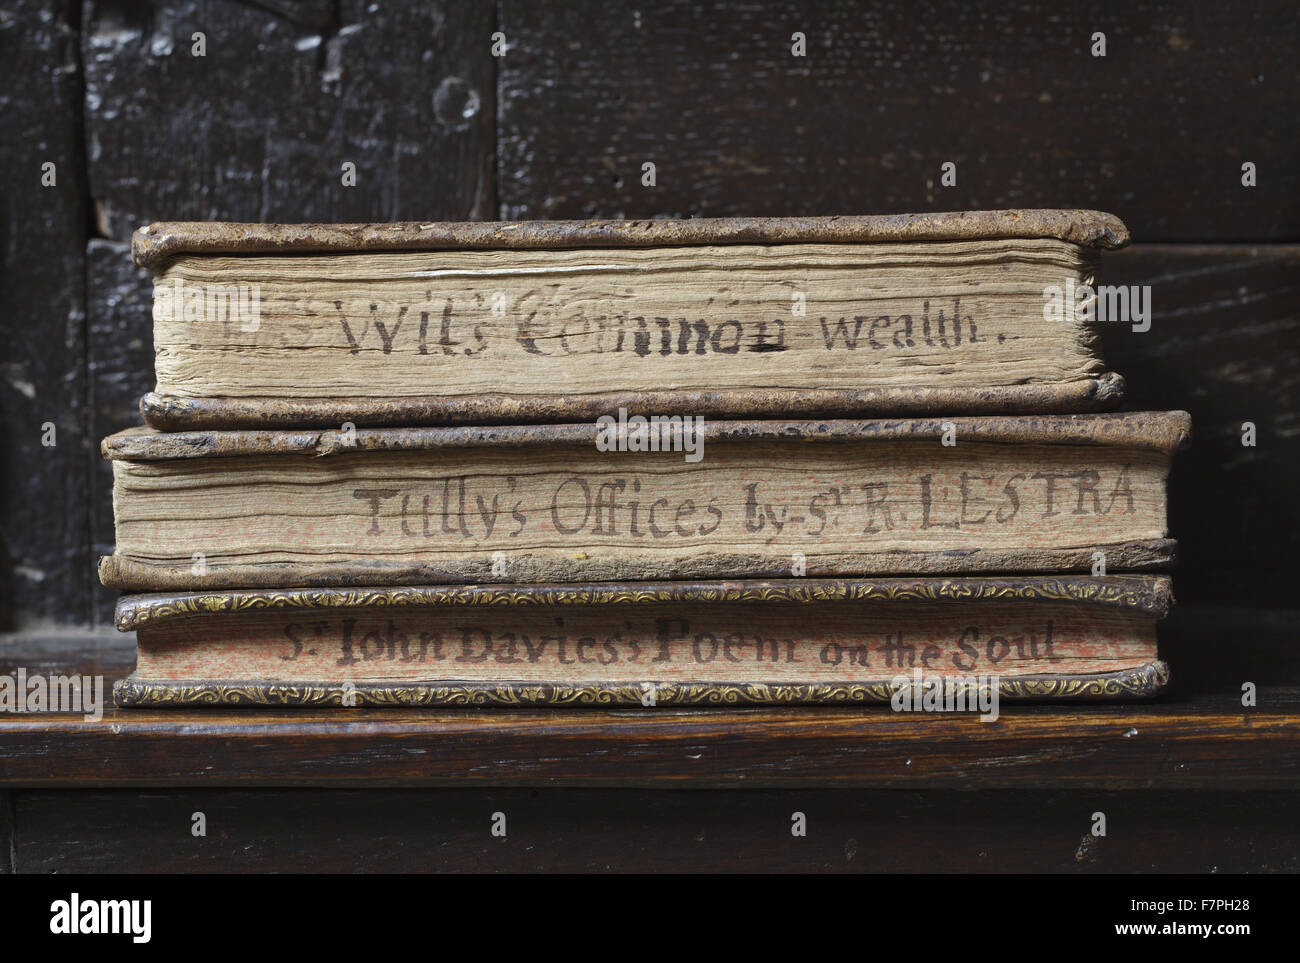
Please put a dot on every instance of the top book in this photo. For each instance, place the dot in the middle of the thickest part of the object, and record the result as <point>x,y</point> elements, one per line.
<point>314,325</point>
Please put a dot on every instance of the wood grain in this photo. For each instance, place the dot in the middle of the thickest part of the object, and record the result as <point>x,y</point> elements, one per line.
<point>119,362</point>
<point>1155,132</point>
<point>43,545</point>
<point>259,127</point>
<point>7,861</point>
<point>1224,345</point>
<point>655,831</point>
<point>720,748</point>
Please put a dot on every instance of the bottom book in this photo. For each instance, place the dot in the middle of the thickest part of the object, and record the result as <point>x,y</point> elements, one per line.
<point>899,641</point>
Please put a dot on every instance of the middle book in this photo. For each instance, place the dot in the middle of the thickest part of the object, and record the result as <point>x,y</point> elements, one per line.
<point>557,503</point>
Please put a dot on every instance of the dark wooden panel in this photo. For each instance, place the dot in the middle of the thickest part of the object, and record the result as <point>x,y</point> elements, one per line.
<point>6,833</point>
<point>44,563</point>
<point>120,369</point>
<point>1111,747</point>
<point>66,650</point>
<point>552,830</point>
<point>1224,344</point>
<point>1198,736</point>
<point>257,130</point>
<point>1155,132</point>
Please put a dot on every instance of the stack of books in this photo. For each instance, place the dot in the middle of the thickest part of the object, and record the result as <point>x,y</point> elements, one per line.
<point>733,461</point>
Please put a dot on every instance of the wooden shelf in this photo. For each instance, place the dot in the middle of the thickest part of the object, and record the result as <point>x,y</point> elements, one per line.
<point>1198,736</point>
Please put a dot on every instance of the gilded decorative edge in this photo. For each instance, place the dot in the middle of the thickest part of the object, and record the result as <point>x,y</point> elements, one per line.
<point>173,413</point>
<point>136,575</point>
<point>155,243</point>
<point>1138,683</point>
<point>1162,431</point>
<point>1148,594</point>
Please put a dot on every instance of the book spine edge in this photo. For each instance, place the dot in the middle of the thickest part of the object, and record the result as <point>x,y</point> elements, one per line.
<point>167,412</point>
<point>130,574</point>
<point>1141,682</point>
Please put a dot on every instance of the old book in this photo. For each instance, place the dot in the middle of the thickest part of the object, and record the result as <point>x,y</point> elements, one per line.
<point>793,640</point>
<point>550,503</point>
<point>264,325</point>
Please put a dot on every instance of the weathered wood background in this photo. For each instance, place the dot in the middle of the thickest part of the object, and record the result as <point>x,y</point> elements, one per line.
<point>1157,131</point>
<point>650,831</point>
